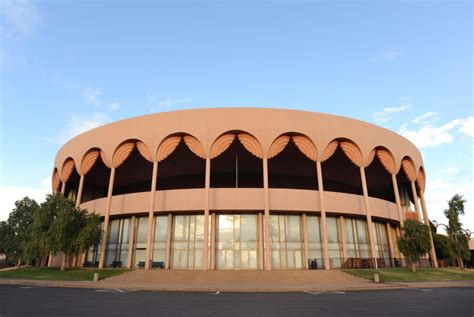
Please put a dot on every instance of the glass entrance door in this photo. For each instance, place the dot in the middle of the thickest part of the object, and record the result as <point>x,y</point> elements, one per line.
<point>237,242</point>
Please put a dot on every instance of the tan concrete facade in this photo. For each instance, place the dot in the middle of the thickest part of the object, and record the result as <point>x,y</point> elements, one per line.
<point>265,133</point>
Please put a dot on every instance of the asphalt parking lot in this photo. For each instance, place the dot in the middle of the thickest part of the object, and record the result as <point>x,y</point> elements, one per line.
<point>23,300</point>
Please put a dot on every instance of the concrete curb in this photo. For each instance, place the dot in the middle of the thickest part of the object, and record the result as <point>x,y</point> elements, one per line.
<point>179,288</point>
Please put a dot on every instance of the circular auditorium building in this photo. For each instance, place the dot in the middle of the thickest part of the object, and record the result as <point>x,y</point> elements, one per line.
<point>244,189</point>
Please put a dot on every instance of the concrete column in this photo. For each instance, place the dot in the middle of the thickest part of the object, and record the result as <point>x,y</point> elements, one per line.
<point>151,210</point>
<point>343,238</point>
<point>260,240</point>
<point>368,216</point>
<point>324,230</point>
<point>168,241</point>
<point>268,254</point>
<point>213,241</point>
<point>79,191</point>
<point>355,237</point>
<point>131,241</point>
<point>106,217</point>
<point>390,243</point>
<point>206,214</point>
<point>415,201</point>
<point>63,188</point>
<point>83,258</point>
<point>401,216</point>
<point>427,222</point>
<point>305,240</point>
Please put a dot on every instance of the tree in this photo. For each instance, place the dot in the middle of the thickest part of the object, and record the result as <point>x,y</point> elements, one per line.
<point>414,242</point>
<point>443,247</point>
<point>20,221</point>
<point>454,229</point>
<point>72,230</point>
<point>7,235</point>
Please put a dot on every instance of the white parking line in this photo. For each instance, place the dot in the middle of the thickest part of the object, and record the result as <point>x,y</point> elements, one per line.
<point>422,289</point>
<point>216,293</point>
<point>32,286</point>
<point>324,292</point>
<point>112,290</point>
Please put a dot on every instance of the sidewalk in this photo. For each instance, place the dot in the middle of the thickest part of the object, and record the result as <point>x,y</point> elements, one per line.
<point>237,281</point>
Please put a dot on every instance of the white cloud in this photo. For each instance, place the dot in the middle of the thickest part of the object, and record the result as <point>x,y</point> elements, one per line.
<point>388,55</point>
<point>428,135</point>
<point>19,18</point>
<point>388,113</point>
<point>468,126</point>
<point>449,169</point>
<point>440,190</point>
<point>79,124</point>
<point>428,116</point>
<point>114,105</point>
<point>87,92</point>
<point>10,194</point>
<point>167,103</point>
<point>92,95</point>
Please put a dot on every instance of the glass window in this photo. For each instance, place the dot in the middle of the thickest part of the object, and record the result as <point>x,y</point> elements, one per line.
<point>141,229</point>
<point>314,240</point>
<point>187,241</point>
<point>286,241</point>
<point>334,244</point>
<point>351,247</point>
<point>237,241</point>
<point>159,242</point>
<point>117,245</point>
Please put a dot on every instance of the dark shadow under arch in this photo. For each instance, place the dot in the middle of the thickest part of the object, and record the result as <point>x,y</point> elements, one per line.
<point>96,182</point>
<point>379,181</point>
<point>341,175</point>
<point>181,169</point>
<point>292,169</point>
<point>134,175</point>
<point>236,168</point>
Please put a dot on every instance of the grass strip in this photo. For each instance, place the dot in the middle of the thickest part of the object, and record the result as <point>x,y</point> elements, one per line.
<point>421,275</point>
<point>51,273</point>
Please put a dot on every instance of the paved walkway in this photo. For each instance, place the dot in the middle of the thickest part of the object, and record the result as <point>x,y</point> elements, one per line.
<point>240,281</point>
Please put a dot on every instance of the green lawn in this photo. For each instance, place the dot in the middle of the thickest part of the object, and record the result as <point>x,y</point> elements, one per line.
<point>421,275</point>
<point>50,273</point>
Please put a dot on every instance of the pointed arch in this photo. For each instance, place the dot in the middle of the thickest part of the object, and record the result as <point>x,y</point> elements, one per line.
<point>105,159</point>
<point>122,152</point>
<point>291,161</point>
<point>278,145</point>
<point>182,163</point>
<point>67,169</point>
<point>306,146</point>
<point>144,151</point>
<point>236,161</point>
<point>195,146</point>
<point>251,144</point>
<point>88,160</point>
<point>352,151</point>
<point>329,150</point>
<point>421,179</point>
<point>341,167</point>
<point>221,144</point>
<point>409,168</point>
<point>56,181</point>
<point>167,147</point>
<point>387,159</point>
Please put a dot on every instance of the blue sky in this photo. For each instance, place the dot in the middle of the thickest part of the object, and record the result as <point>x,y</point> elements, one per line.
<point>66,68</point>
